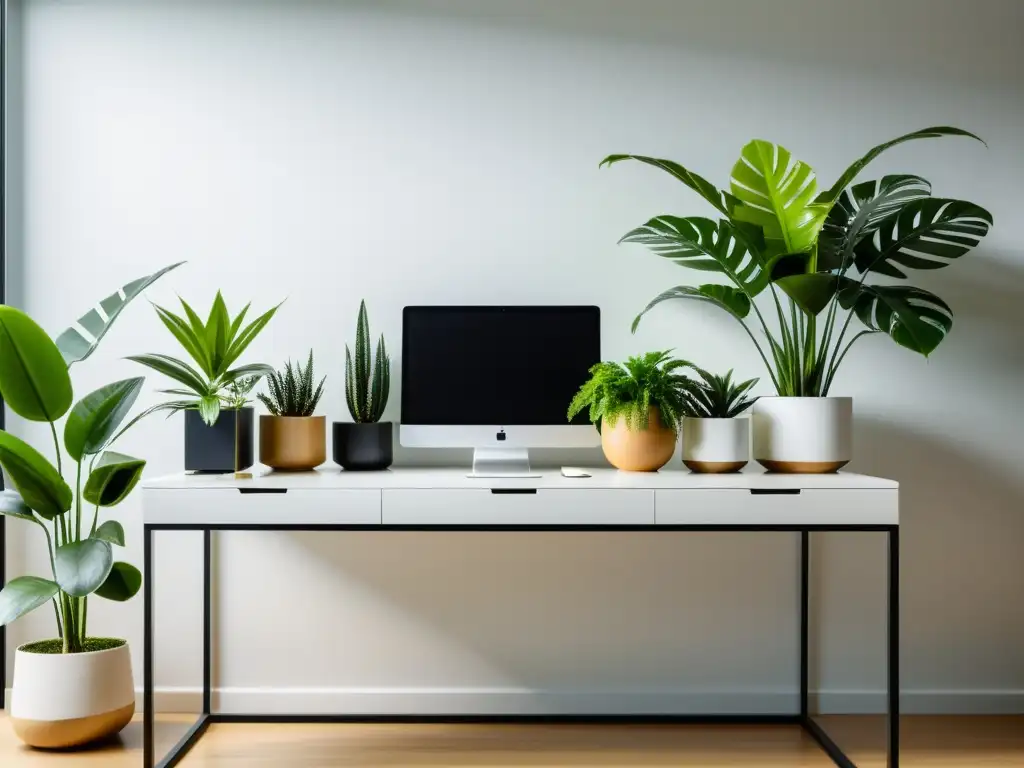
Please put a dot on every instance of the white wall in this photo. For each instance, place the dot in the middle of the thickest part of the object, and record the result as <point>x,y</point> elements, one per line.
<point>446,152</point>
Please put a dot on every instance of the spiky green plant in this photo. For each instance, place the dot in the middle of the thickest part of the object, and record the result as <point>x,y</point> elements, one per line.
<point>718,397</point>
<point>291,390</point>
<point>628,391</point>
<point>367,384</point>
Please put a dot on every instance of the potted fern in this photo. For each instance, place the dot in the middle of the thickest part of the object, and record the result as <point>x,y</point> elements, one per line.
<point>637,406</point>
<point>716,437</point>
<point>291,437</point>
<point>76,687</point>
<point>365,443</point>
<point>810,257</point>
<point>214,395</point>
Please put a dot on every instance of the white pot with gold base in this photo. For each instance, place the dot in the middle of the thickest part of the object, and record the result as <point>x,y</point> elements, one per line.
<point>716,446</point>
<point>812,435</point>
<point>62,700</point>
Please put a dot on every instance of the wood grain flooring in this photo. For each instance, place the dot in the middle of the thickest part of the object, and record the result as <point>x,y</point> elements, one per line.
<point>929,742</point>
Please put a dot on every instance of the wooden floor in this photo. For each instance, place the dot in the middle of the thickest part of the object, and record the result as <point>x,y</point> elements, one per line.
<point>929,742</point>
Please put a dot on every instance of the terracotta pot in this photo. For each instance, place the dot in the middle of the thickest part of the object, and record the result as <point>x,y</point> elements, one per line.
<point>62,700</point>
<point>293,443</point>
<point>641,450</point>
<point>810,435</point>
<point>714,446</point>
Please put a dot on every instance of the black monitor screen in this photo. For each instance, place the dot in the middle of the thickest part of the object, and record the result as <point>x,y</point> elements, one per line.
<point>496,365</point>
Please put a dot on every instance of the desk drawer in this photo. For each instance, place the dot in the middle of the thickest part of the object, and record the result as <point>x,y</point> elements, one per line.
<point>739,506</point>
<point>480,506</point>
<point>226,506</point>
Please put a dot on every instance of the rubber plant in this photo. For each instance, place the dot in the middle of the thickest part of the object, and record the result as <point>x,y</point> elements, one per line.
<point>812,253</point>
<point>35,383</point>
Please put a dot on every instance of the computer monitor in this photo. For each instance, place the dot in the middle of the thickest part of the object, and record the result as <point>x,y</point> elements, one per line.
<point>498,380</point>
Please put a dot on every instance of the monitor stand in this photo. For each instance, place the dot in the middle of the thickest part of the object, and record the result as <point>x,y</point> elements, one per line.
<point>501,462</point>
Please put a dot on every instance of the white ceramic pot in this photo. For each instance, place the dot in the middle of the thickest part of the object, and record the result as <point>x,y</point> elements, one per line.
<point>803,434</point>
<point>64,700</point>
<point>716,445</point>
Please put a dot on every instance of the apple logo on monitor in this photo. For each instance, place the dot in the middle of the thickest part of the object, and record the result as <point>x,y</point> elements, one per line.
<point>500,435</point>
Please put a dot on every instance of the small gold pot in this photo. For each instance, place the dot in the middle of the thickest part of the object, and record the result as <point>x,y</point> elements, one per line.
<point>293,443</point>
<point>641,450</point>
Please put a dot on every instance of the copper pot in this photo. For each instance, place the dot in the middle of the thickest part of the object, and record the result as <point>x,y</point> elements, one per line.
<point>293,443</point>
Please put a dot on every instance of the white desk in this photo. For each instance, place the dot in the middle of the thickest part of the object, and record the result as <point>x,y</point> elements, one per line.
<point>445,499</point>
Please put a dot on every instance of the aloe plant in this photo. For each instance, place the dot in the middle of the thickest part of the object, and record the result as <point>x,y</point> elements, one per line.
<point>367,383</point>
<point>719,397</point>
<point>812,252</point>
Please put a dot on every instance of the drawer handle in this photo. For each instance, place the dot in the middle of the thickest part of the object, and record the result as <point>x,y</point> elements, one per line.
<point>775,491</point>
<point>263,490</point>
<point>511,491</point>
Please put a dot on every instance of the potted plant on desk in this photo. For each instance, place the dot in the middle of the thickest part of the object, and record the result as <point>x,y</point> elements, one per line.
<point>218,421</point>
<point>716,437</point>
<point>637,406</point>
<point>811,253</point>
<point>75,688</point>
<point>367,442</point>
<point>291,437</point>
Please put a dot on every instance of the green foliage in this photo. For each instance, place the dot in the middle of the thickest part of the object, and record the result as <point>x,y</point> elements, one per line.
<point>367,383</point>
<point>718,397</point>
<point>780,237</point>
<point>291,391</point>
<point>214,347</point>
<point>34,378</point>
<point>628,391</point>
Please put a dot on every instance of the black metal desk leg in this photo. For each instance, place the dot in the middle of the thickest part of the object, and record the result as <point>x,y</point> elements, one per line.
<point>893,747</point>
<point>148,715</point>
<point>805,624</point>
<point>207,621</point>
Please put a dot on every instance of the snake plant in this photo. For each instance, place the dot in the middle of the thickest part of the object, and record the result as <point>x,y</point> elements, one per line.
<point>367,383</point>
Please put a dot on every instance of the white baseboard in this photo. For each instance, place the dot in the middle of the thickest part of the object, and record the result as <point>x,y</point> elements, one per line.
<point>517,701</point>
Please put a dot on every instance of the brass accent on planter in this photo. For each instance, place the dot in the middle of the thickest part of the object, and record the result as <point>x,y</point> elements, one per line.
<point>293,443</point>
<point>641,450</point>
<point>802,467</point>
<point>61,734</point>
<point>714,467</point>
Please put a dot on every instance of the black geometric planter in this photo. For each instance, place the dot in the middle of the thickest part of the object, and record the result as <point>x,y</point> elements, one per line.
<point>362,446</point>
<point>213,449</point>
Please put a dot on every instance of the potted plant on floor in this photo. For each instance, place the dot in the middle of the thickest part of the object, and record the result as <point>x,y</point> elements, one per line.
<point>367,442</point>
<point>637,407</point>
<point>716,437</point>
<point>77,687</point>
<point>291,437</point>
<point>811,253</point>
<point>218,420</point>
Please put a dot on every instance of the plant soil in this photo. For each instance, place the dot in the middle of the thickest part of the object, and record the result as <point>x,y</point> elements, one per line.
<point>56,646</point>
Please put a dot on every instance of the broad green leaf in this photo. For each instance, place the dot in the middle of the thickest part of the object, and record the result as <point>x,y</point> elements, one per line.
<point>209,409</point>
<point>123,583</point>
<point>32,383</point>
<point>851,173</point>
<point>13,505</point>
<point>78,342</point>
<point>96,417</point>
<point>236,324</point>
<point>199,329</point>
<point>721,200</point>
<point>186,336</point>
<point>217,327</point>
<point>112,479</point>
<point>175,369</point>
<point>924,234</point>
<point>24,594</point>
<point>111,531</point>
<point>813,291</point>
<point>251,369</point>
<point>82,566</point>
<point>777,192</point>
<point>703,244</point>
<point>35,478</point>
<point>913,318</point>
<point>731,300</point>
<point>858,213</point>
<point>245,337</point>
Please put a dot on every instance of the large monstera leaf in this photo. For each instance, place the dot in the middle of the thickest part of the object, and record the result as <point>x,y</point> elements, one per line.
<point>859,212</point>
<point>733,301</point>
<point>723,201</point>
<point>703,244</point>
<point>777,192</point>
<point>926,234</point>
<point>913,317</point>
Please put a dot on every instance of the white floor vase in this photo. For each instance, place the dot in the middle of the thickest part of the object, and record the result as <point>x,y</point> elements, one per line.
<point>810,435</point>
<point>66,700</point>
<point>716,446</point>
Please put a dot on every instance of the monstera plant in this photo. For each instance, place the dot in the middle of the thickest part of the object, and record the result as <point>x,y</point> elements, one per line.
<point>815,254</point>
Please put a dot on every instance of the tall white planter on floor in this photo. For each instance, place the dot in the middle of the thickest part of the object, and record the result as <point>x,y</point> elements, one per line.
<point>716,445</point>
<point>63,700</point>
<point>803,434</point>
